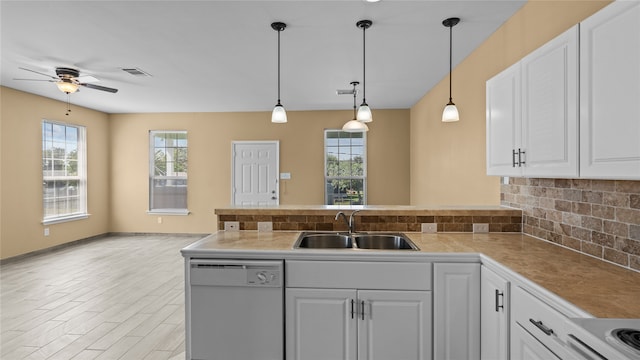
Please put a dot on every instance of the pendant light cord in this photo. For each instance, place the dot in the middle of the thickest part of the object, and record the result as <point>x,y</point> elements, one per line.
<point>279,66</point>
<point>364,65</point>
<point>450,60</point>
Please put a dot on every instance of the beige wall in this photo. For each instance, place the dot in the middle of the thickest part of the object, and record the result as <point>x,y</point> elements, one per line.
<point>448,165</point>
<point>21,229</point>
<point>210,136</point>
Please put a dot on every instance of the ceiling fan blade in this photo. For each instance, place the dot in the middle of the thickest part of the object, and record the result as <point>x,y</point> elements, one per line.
<point>98,87</point>
<point>38,80</point>
<point>43,74</point>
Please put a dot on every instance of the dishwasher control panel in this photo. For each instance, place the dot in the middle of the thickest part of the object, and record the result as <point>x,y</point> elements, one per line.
<point>264,277</point>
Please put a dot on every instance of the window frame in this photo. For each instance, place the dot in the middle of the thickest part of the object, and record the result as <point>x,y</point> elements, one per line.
<point>153,177</point>
<point>364,166</point>
<point>80,177</point>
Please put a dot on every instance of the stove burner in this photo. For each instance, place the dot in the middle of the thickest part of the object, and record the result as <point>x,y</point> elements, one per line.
<point>628,337</point>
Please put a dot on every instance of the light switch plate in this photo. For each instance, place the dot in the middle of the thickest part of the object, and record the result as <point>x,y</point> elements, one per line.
<point>231,226</point>
<point>429,228</point>
<point>265,226</point>
<point>480,228</point>
<point>285,176</point>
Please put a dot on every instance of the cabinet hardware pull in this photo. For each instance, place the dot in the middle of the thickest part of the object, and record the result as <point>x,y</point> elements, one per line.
<point>498,294</point>
<point>542,327</point>
<point>352,306</point>
<point>362,309</point>
<point>521,157</point>
<point>513,158</point>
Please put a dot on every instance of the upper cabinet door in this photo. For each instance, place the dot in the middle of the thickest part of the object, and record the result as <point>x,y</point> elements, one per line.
<point>550,108</point>
<point>610,93</point>
<point>503,123</point>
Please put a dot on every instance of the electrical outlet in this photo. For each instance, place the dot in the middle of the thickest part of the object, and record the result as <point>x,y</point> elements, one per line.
<point>231,226</point>
<point>265,226</point>
<point>429,228</point>
<point>46,231</point>
<point>480,228</point>
<point>159,219</point>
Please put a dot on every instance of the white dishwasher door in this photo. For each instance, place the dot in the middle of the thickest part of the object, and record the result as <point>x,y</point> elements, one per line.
<point>236,310</point>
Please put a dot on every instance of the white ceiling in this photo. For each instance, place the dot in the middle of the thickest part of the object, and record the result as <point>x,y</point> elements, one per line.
<point>211,56</point>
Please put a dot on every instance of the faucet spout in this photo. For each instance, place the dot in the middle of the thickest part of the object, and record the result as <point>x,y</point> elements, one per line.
<point>346,221</point>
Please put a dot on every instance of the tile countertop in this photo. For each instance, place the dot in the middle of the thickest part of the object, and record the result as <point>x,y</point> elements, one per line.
<point>599,288</point>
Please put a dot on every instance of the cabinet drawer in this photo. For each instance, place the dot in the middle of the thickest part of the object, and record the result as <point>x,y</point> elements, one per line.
<point>358,275</point>
<point>541,320</point>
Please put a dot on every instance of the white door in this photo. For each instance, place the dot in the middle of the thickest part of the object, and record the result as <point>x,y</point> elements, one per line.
<point>321,324</point>
<point>503,123</point>
<point>254,173</point>
<point>550,108</point>
<point>395,325</point>
<point>456,311</point>
<point>494,316</point>
<point>526,347</point>
<point>609,93</point>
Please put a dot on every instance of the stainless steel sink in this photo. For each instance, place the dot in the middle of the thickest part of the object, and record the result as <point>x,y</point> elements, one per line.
<point>371,241</point>
<point>384,242</point>
<point>308,240</point>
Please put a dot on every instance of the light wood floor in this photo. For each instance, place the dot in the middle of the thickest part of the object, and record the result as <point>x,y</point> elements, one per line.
<point>120,297</point>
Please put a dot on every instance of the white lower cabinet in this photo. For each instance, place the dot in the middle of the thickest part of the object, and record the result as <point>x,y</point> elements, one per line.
<point>525,347</point>
<point>494,316</point>
<point>358,324</point>
<point>456,311</point>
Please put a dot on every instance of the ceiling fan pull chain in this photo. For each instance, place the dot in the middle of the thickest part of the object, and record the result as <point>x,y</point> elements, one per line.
<point>68,104</point>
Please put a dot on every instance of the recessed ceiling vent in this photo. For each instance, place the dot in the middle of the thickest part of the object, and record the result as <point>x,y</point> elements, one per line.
<point>136,72</point>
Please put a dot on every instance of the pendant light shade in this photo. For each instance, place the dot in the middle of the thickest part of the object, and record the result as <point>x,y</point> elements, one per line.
<point>354,125</point>
<point>450,113</point>
<point>364,112</point>
<point>279,115</point>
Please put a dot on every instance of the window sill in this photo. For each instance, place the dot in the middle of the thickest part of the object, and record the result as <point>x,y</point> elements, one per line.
<point>64,219</point>
<point>179,212</point>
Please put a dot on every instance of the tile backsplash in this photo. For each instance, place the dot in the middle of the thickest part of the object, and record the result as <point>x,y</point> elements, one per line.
<point>596,217</point>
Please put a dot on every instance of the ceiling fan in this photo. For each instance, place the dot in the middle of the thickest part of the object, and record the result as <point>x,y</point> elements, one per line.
<point>68,80</point>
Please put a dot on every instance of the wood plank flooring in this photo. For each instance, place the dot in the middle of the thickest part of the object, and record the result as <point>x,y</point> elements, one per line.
<point>118,297</point>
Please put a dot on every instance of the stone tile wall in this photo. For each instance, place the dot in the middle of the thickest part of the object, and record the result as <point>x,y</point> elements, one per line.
<point>596,217</point>
<point>375,222</point>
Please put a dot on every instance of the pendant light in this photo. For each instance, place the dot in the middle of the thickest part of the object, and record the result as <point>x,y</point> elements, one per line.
<point>355,125</point>
<point>450,113</point>
<point>279,115</point>
<point>364,112</point>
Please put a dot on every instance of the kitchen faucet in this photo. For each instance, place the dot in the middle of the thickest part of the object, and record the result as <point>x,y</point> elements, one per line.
<point>351,223</point>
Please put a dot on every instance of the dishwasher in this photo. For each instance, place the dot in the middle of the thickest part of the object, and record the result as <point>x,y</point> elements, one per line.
<point>236,310</point>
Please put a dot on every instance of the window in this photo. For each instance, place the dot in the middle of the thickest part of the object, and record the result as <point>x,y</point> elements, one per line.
<point>345,167</point>
<point>64,176</point>
<point>168,172</point>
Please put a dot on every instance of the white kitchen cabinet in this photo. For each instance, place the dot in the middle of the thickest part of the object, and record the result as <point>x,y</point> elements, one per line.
<point>503,122</point>
<point>358,324</point>
<point>610,93</point>
<point>456,311</point>
<point>494,316</point>
<point>532,113</point>
<point>320,324</point>
<point>526,347</point>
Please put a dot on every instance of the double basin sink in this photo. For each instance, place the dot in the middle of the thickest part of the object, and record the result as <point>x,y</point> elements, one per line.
<point>333,240</point>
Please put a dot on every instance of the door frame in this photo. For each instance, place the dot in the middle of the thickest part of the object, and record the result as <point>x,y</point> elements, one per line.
<point>233,164</point>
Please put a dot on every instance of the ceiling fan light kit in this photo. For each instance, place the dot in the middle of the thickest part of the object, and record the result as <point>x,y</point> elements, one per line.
<point>279,115</point>
<point>364,112</point>
<point>67,86</point>
<point>450,112</point>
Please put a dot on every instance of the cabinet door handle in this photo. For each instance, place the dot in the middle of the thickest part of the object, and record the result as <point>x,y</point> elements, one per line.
<point>521,154</point>
<point>353,302</point>
<point>362,308</point>
<point>542,327</point>
<point>513,157</point>
<point>498,295</point>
